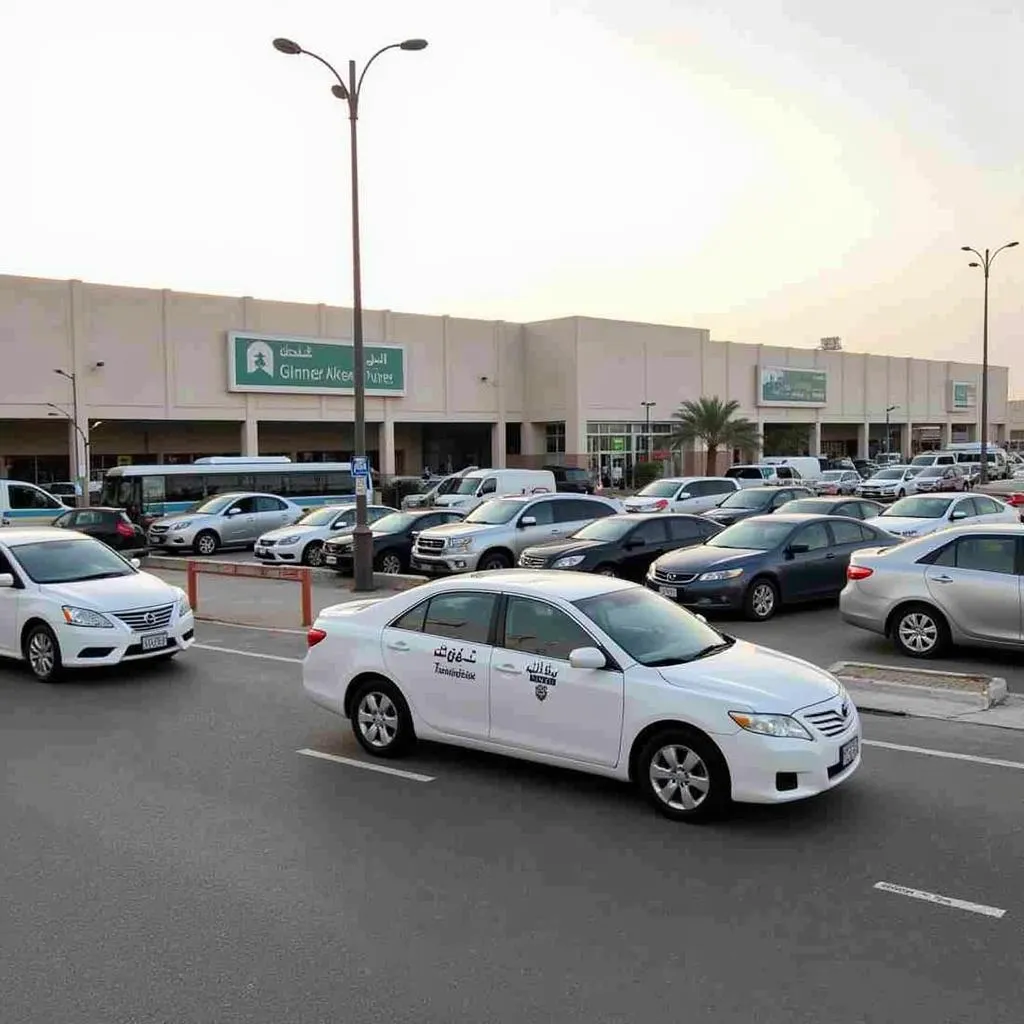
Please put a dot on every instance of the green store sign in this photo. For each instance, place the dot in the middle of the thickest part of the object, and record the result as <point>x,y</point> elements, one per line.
<point>784,385</point>
<point>279,364</point>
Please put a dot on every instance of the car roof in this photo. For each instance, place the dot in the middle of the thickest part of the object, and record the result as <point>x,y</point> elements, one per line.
<point>793,518</point>
<point>829,499</point>
<point>19,535</point>
<point>416,512</point>
<point>570,586</point>
<point>644,517</point>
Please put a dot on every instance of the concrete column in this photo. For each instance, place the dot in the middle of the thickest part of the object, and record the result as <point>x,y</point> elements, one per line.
<point>947,434</point>
<point>905,434</point>
<point>863,440</point>
<point>498,445</point>
<point>386,440</point>
<point>251,437</point>
<point>816,438</point>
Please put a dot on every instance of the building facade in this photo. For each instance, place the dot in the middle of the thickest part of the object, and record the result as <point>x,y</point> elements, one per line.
<point>165,376</point>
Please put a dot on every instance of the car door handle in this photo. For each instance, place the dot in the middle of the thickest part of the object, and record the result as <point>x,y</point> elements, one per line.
<point>398,645</point>
<point>941,579</point>
<point>509,670</point>
<point>831,554</point>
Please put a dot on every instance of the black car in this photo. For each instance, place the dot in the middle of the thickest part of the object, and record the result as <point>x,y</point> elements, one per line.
<point>572,480</point>
<point>393,538</point>
<point>758,565</point>
<point>755,501</point>
<point>110,525</point>
<point>853,508</point>
<point>623,545</point>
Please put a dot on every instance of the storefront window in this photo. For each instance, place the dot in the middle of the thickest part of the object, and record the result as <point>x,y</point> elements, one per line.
<point>554,438</point>
<point>513,439</point>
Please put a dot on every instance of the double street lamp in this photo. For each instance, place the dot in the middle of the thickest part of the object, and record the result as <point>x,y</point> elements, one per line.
<point>82,480</point>
<point>888,432</point>
<point>985,263</point>
<point>362,538</point>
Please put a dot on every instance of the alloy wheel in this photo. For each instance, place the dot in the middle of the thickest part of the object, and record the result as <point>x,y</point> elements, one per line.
<point>918,632</point>
<point>391,565</point>
<point>42,654</point>
<point>315,555</point>
<point>762,600</point>
<point>378,719</point>
<point>679,777</point>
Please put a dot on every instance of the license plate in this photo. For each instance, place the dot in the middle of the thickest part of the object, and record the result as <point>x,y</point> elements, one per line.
<point>848,752</point>
<point>330,559</point>
<point>668,591</point>
<point>155,642</point>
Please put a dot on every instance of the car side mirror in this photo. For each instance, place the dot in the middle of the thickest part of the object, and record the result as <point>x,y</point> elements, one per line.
<point>6,581</point>
<point>798,549</point>
<point>527,521</point>
<point>637,542</point>
<point>957,514</point>
<point>587,658</point>
<point>683,496</point>
<point>234,511</point>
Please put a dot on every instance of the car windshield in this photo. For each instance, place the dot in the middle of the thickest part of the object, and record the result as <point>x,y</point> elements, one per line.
<point>497,511</point>
<point>396,522</point>
<point>318,517</point>
<point>750,498</point>
<point>659,489</point>
<point>612,528</point>
<point>923,460</point>
<point>918,508</point>
<point>69,561</point>
<point>834,474</point>
<point>888,474</point>
<point>213,506</point>
<point>932,471</point>
<point>651,629</point>
<point>752,536</point>
<point>808,506</point>
<point>468,485</point>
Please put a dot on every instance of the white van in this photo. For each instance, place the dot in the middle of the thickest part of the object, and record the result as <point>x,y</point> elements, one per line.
<point>482,484</point>
<point>24,504</point>
<point>807,466</point>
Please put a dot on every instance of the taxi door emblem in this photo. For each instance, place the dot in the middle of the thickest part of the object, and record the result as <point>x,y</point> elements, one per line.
<point>540,692</point>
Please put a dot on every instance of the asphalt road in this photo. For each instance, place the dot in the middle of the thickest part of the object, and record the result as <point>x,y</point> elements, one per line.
<point>167,856</point>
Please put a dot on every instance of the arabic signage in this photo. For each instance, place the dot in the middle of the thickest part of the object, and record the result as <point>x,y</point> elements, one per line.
<point>791,385</point>
<point>963,395</point>
<point>280,364</point>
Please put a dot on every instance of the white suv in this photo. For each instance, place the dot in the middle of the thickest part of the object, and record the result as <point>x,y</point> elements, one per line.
<point>494,535</point>
<point>693,494</point>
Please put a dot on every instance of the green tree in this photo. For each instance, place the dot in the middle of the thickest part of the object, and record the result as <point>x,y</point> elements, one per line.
<point>716,424</point>
<point>783,440</point>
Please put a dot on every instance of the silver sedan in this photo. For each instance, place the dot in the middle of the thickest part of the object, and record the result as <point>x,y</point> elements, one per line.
<point>963,585</point>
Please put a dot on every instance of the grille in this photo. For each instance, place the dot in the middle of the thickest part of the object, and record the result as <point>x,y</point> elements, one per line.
<point>531,562</point>
<point>267,543</point>
<point>430,544</point>
<point>660,576</point>
<point>146,618</point>
<point>829,723</point>
<point>159,529</point>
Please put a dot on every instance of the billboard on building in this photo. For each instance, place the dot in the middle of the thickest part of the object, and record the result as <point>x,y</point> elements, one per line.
<point>963,396</point>
<point>792,385</point>
<point>283,364</point>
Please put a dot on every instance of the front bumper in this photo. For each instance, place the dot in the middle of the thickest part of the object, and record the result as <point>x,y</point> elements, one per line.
<point>171,539</point>
<point>288,553</point>
<point>83,647</point>
<point>339,560</point>
<point>722,595</point>
<point>444,565</point>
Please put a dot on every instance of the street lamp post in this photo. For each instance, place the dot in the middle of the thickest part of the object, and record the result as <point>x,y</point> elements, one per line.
<point>362,538</point>
<point>888,432</point>
<point>76,461</point>
<point>985,263</point>
<point>648,406</point>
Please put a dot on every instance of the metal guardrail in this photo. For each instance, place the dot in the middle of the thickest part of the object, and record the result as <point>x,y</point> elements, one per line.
<point>295,573</point>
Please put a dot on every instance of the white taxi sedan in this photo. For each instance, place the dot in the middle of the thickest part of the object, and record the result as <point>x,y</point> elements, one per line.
<point>585,672</point>
<point>69,601</point>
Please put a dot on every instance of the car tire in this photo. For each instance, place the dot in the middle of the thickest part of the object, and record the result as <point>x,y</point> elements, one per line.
<point>313,554</point>
<point>919,631</point>
<point>381,720</point>
<point>41,650</point>
<point>388,562</point>
<point>902,493</point>
<point>761,601</point>
<point>684,775</point>
<point>493,561</point>
<point>606,570</point>
<point>206,543</point>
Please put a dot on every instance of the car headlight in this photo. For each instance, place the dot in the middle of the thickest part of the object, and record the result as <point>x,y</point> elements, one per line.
<point>184,607</point>
<point>290,539</point>
<point>568,562</point>
<point>85,617</point>
<point>460,544</point>
<point>720,574</point>
<point>184,525</point>
<point>780,726</point>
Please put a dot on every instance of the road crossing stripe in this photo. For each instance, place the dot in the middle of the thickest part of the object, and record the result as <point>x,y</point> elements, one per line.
<point>353,763</point>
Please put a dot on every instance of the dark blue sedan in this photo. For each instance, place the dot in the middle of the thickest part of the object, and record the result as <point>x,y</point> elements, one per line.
<point>764,562</point>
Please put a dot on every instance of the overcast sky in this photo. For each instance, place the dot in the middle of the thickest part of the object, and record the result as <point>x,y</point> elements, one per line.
<point>774,170</point>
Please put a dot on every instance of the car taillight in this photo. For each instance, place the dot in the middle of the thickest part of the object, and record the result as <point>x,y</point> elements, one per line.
<point>314,636</point>
<point>125,530</point>
<point>858,572</point>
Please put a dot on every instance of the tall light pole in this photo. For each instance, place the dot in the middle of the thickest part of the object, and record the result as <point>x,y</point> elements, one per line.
<point>648,406</point>
<point>76,461</point>
<point>888,433</point>
<point>985,263</point>
<point>362,538</point>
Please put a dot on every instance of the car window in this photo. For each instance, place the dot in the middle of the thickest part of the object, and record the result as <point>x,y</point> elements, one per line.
<point>869,511</point>
<point>651,532</point>
<point>465,617</point>
<point>969,506</point>
<point>700,488</point>
<point>246,505</point>
<point>348,518</point>
<point>66,521</point>
<point>985,506</point>
<point>575,511</point>
<point>23,497</point>
<point>847,533</point>
<point>5,566</point>
<point>434,519</point>
<point>689,529</point>
<point>88,518</point>
<point>542,511</point>
<point>269,504</point>
<point>490,486</point>
<point>781,498</point>
<point>981,554</point>
<point>814,536</point>
<point>413,619</point>
<point>535,627</point>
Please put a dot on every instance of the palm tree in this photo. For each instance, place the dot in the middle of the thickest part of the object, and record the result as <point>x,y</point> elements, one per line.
<point>716,424</point>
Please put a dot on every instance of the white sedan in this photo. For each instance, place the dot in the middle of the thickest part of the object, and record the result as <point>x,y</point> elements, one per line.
<point>303,543</point>
<point>585,672</point>
<point>69,601</point>
<point>926,513</point>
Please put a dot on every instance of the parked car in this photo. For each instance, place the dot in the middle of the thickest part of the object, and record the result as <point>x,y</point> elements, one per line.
<point>940,477</point>
<point>436,487</point>
<point>69,601</point>
<point>758,565</point>
<point>752,475</point>
<point>837,481</point>
<point>866,468</point>
<point>852,508</point>
<point>393,539</point>
<point>571,480</point>
<point>303,543</point>
<point>67,491</point>
<point>887,459</point>
<point>25,504</point>
<point>890,484</point>
<point>589,673</point>
<point>622,545</point>
<point>959,586</point>
<point>755,501</point>
<point>496,534</point>
<point>926,459</point>
<point>927,513</point>
<point>110,525</point>
<point>223,521</point>
<point>790,468</point>
<point>482,484</point>
<point>692,494</point>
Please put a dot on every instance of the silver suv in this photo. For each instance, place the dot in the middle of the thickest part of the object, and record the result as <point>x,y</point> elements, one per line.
<point>223,521</point>
<point>494,535</point>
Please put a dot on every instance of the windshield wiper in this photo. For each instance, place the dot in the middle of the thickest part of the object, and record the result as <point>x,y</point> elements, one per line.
<point>98,576</point>
<point>713,649</point>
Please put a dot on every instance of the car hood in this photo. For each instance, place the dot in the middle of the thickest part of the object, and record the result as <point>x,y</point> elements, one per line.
<point>293,531</point>
<point>901,524</point>
<point>447,530</point>
<point>139,590</point>
<point>703,558</point>
<point>756,679</point>
<point>557,548</point>
<point>177,517</point>
<point>724,515</point>
<point>882,485</point>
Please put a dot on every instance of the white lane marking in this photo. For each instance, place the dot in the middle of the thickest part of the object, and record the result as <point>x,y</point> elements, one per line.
<point>946,901</point>
<point>976,759</point>
<point>353,763</point>
<point>247,654</point>
<point>258,629</point>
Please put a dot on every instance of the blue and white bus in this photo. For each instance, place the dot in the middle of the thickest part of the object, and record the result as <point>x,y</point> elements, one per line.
<point>148,492</point>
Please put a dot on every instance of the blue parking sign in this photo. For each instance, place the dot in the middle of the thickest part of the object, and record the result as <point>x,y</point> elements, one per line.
<point>360,465</point>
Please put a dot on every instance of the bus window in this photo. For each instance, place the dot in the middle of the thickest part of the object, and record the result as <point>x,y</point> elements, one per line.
<point>152,490</point>
<point>340,483</point>
<point>266,483</point>
<point>184,488</point>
